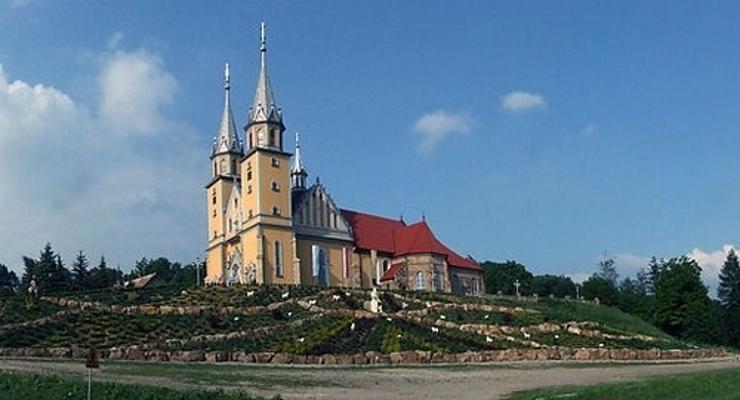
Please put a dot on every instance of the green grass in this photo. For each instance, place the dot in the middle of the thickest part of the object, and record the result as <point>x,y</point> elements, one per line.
<point>19,309</point>
<point>719,385</point>
<point>564,311</point>
<point>16,386</point>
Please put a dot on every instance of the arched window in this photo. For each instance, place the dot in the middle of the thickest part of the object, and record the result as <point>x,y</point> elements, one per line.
<point>278,258</point>
<point>419,280</point>
<point>386,264</point>
<point>273,143</point>
<point>437,279</point>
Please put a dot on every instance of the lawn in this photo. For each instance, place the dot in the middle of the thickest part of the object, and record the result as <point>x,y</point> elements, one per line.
<point>718,385</point>
<point>15,386</point>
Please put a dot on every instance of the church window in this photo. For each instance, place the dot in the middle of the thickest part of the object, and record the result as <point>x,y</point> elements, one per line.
<point>251,214</point>
<point>345,263</point>
<point>231,226</point>
<point>386,264</point>
<point>275,186</point>
<point>437,280</point>
<point>273,142</point>
<point>222,167</point>
<point>275,162</point>
<point>419,280</point>
<point>213,196</point>
<point>278,258</point>
<point>250,141</point>
<point>236,203</point>
<point>249,189</point>
<point>215,168</point>
<point>275,210</point>
<point>249,175</point>
<point>214,212</point>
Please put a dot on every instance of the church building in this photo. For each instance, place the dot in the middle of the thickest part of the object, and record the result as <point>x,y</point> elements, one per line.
<point>266,225</point>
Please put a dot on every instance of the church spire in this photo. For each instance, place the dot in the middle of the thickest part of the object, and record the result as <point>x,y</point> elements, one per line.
<point>264,108</point>
<point>298,174</point>
<point>227,139</point>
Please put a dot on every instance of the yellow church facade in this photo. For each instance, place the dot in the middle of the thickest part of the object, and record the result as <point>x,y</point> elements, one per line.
<point>266,226</point>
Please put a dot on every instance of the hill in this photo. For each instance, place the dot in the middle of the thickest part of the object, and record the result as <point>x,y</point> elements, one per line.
<point>302,324</point>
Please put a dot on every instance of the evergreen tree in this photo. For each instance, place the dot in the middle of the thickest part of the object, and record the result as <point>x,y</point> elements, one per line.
<point>608,271</point>
<point>729,296</point>
<point>8,281</point>
<point>30,271</point>
<point>80,273</point>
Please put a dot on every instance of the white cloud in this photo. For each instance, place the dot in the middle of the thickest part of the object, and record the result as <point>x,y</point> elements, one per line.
<point>520,101</point>
<point>435,126</point>
<point>134,89</point>
<point>711,264</point>
<point>83,177</point>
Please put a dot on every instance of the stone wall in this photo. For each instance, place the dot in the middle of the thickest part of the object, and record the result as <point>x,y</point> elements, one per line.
<point>135,353</point>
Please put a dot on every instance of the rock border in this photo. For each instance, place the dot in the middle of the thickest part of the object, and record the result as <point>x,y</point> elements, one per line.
<point>373,358</point>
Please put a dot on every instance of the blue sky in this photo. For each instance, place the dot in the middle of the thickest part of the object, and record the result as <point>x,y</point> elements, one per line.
<point>546,132</point>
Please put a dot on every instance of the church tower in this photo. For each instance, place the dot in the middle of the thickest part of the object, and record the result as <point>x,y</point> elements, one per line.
<point>225,158</point>
<point>268,240</point>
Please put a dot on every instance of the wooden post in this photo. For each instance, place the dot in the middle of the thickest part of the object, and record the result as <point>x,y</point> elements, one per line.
<point>91,361</point>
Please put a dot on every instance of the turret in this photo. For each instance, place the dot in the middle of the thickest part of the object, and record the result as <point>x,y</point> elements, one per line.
<point>298,173</point>
<point>227,148</point>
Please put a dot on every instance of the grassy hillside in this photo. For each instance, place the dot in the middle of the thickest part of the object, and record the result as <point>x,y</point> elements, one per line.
<point>314,321</point>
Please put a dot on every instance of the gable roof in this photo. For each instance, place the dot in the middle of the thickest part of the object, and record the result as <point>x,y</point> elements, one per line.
<point>387,235</point>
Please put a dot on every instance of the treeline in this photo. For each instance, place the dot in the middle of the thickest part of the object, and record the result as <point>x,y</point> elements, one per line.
<point>668,293</point>
<point>50,275</point>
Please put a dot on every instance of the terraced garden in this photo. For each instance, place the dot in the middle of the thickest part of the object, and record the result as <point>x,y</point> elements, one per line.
<point>314,321</point>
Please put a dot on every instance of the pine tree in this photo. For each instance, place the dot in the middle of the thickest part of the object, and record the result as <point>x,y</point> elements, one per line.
<point>729,295</point>
<point>8,281</point>
<point>80,273</point>
<point>608,271</point>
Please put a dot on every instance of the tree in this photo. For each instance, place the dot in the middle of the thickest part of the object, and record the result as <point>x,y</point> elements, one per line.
<point>682,305</point>
<point>558,286</point>
<point>80,273</point>
<point>729,296</point>
<point>48,271</point>
<point>30,271</point>
<point>598,286</point>
<point>633,298</point>
<point>102,277</point>
<point>501,277</point>
<point>8,281</point>
<point>608,271</point>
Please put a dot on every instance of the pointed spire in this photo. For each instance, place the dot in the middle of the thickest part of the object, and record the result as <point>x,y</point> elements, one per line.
<point>264,108</point>
<point>298,161</point>
<point>298,174</point>
<point>227,139</point>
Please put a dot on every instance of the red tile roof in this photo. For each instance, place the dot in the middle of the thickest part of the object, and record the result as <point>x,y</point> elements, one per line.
<point>393,236</point>
<point>390,274</point>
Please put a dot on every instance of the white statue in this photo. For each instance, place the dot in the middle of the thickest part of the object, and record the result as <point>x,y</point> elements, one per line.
<point>374,304</point>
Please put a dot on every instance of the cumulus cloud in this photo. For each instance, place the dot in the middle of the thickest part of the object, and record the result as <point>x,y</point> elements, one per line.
<point>435,126</point>
<point>84,177</point>
<point>711,264</point>
<point>521,101</point>
<point>135,88</point>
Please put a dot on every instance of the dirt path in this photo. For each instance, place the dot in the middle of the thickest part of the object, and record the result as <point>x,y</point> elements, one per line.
<point>492,381</point>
